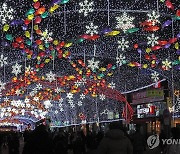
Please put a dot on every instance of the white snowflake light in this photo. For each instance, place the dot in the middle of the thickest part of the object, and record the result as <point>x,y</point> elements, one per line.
<point>18,92</point>
<point>102,97</point>
<point>16,69</point>
<point>36,99</point>
<point>152,40</point>
<point>123,44</point>
<point>32,93</point>
<point>153,17</point>
<point>58,90</point>
<point>86,7</point>
<point>83,81</point>
<point>47,104</point>
<point>112,85</point>
<point>2,86</point>
<point>50,76</point>
<point>77,83</point>
<point>70,101</point>
<point>69,95</point>
<point>125,22</point>
<point>93,64</point>
<point>3,60</point>
<point>91,29</point>
<point>6,99</point>
<point>82,96</point>
<point>56,112</point>
<point>155,76</point>
<point>79,103</point>
<point>61,100</point>
<point>61,109</point>
<point>28,69</point>
<point>60,105</point>
<point>72,105</point>
<point>47,36</point>
<point>39,86</point>
<point>5,13</point>
<point>120,60</point>
<point>166,65</point>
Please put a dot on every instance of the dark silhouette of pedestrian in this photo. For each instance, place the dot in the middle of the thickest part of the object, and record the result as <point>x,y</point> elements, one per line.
<point>138,142</point>
<point>39,142</point>
<point>115,141</point>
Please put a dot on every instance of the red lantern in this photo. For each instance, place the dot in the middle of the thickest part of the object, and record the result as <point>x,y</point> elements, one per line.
<point>19,40</point>
<point>162,42</point>
<point>38,42</point>
<point>37,5</point>
<point>178,13</point>
<point>136,46</point>
<point>15,45</point>
<point>38,20</point>
<point>27,22</point>
<point>173,40</point>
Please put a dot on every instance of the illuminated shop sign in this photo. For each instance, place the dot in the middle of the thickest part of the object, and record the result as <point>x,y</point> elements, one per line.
<point>150,109</point>
<point>148,96</point>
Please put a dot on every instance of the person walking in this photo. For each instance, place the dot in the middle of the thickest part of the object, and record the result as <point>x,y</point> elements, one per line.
<point>115,141</point>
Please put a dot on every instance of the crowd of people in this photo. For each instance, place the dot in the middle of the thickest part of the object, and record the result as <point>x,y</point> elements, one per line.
<point>114,141</point>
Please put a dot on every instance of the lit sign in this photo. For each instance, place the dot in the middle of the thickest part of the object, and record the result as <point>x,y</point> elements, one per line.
<point>148,96</point>
<point>150,110</point>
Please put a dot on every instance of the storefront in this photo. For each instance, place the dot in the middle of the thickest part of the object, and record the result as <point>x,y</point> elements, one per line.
<point>149,106</point>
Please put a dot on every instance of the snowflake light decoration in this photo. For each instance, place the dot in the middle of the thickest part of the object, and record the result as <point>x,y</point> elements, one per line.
<point>72,105</point>
<point>155,76</point>
<point>46,36</point>
<point>86,7</point>
<point>39,86</point>
<point>79,103</point>
<point>18,92</point>
<point>125,22</point>
<point>58,90</point>
<point>123,44</point>
<point>91,29</point>
<point>77,83</point>
<point>61,100</point>
<point>93,64</point>
<point>120,60</point>
<point>69,95</point>
<point>60,105</point>
<point>50,76</point>
<point>33,92</point>
<point>3,60</point>
<point>47,104</point>
<point>152,40</point>
<point>166,65</point>
<point>70,101</point>
<point>36,99</point>
<point>112,85</point>
<point>56,112</point>
<point>102,97</point>
<point>82,96</point>
<point>2,86</point>
<point>61,109</point>
<point>153,17</point>
<point>6,99</point>
<point>83,81</point>
<point>26,100</point>
<point>16,69</point>
<point>6,13</point>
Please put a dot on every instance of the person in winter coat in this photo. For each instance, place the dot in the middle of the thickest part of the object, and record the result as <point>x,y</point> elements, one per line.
<point>175,148</point>
<point>39,142</point>
<point>115,141</point>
